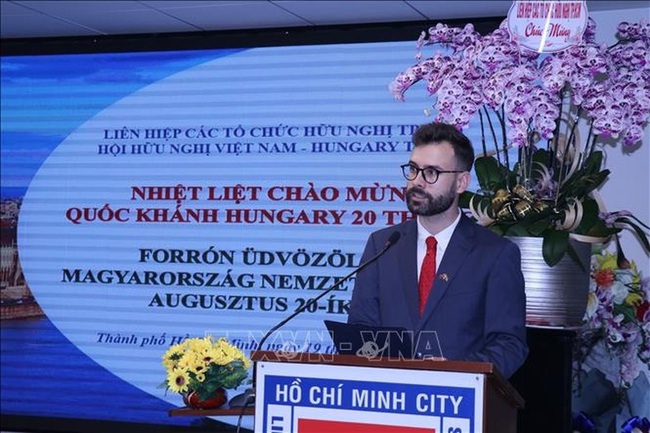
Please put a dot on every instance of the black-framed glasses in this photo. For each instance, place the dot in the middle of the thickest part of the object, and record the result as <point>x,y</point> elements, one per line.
<point>429,174</point>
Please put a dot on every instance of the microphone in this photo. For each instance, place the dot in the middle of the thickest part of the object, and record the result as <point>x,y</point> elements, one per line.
<point>394,237</point>
<point>248,396</point>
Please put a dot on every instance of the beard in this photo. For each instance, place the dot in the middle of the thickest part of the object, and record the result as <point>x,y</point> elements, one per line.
<point>421,203</point>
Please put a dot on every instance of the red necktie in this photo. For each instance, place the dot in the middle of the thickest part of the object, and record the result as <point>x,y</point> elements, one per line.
<point>428,272</point>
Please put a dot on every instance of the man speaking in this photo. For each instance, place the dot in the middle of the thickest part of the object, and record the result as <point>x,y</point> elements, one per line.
<point>446,274</point>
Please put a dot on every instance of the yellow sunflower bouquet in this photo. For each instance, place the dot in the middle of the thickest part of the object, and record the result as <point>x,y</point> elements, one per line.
<point>202,366</point>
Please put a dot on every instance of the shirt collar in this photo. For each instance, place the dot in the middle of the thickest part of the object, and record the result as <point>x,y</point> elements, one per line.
<point>443,237</point>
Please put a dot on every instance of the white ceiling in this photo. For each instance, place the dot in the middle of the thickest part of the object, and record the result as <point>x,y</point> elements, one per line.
<point>58,18</point>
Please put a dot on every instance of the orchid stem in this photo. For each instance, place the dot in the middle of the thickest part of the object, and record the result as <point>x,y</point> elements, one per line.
<point>494,135</point>
<point>480,116</point>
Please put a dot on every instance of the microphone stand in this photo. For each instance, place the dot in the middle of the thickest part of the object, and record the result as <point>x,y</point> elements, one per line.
<point>245,399</point>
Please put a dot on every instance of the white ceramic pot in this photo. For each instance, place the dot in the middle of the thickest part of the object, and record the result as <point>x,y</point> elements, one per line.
<point>555,296</point>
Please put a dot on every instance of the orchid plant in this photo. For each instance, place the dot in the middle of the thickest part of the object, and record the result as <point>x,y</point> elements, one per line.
<point>546,118</point>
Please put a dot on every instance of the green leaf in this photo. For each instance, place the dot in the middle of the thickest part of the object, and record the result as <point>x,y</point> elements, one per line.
<point>498,230</point>
<point>602,231</point>
<point>590,218</point>
<point>517,230</point>
<point>542,156</point>
<point>555,246</point>
<point>465,198</point>
<point>627,311</point>
<point>538,228</point>
<point>489,173</point>
<point>643,237</point>
<point>594,162</point>
<point>581,183</point>
<point>638,221</point>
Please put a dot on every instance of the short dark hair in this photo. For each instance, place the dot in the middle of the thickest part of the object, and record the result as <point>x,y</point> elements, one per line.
<point>437,132</point>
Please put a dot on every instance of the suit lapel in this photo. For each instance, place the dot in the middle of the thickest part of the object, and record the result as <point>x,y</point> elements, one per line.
<point>459,246</point>
<point>408,264</point>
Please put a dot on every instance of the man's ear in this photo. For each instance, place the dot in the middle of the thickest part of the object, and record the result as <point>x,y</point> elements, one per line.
<point>462,182</point>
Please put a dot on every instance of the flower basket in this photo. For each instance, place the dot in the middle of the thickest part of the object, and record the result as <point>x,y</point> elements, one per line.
<point>202,369</point>
<point>615,336</point>
<point>612,350</point>
<point>193,399</point>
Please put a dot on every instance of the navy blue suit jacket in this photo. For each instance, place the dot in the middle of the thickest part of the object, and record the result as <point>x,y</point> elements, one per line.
<point>477,304</point>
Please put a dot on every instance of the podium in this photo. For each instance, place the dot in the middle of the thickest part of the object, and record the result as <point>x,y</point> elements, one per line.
<point>317,393</point>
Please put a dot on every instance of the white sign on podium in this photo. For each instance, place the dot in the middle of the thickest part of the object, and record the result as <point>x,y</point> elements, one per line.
<point>316,398</point>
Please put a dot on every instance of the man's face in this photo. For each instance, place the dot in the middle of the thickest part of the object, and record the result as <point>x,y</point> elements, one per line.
<point>427,199</point>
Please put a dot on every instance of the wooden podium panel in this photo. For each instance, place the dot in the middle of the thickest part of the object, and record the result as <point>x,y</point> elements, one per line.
<point>344,393</point>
